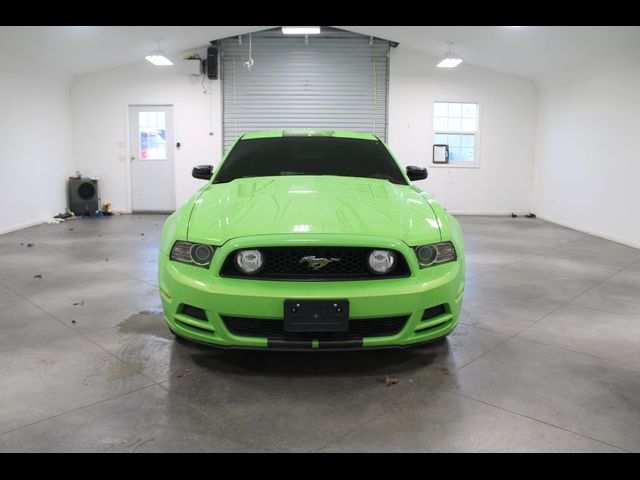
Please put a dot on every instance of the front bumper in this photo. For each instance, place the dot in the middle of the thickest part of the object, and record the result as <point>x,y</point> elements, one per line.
<point>182,284</point>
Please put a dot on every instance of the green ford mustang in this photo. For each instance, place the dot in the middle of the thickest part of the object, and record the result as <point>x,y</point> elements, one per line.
<point>311,240</point>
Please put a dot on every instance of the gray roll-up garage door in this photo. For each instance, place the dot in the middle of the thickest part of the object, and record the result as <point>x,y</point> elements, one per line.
<point>335,80</point>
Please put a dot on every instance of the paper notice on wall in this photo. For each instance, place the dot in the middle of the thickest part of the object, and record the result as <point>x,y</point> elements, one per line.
<point>439,154</point>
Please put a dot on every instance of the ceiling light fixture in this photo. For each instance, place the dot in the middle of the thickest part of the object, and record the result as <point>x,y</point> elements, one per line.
<point>301,30</point>
<point>157,56</point>
<point>450,59</point>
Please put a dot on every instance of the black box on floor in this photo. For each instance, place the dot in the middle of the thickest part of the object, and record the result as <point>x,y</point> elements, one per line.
<point>83,196</point>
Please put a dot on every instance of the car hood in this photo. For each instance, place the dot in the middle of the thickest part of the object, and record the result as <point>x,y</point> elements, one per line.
<point>312,205</point>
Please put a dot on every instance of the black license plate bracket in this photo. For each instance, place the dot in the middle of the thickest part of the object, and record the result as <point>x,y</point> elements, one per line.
<point>316,315</point>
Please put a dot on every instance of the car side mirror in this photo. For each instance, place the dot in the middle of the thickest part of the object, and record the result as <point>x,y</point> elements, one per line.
<point>416,173</point>
<point>203,172</point>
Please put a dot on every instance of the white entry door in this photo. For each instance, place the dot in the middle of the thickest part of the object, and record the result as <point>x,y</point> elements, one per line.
<point>152,157</point>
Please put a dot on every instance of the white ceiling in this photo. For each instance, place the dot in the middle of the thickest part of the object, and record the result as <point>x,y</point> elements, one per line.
<point>78,50</point>
<point>538,53</point>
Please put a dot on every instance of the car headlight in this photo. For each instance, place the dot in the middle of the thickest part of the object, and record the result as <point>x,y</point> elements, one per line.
<point>435,254</point>
<point>196,254</point>
<point>249,262</point>
<point>382,261</point>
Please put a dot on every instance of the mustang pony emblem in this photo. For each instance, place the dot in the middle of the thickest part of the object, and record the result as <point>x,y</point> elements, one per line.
<point>316,263</point>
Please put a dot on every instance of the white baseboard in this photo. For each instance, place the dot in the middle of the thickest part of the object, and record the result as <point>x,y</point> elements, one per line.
<point>21,226</point>
<point>485,214</point>
<point>606,236</point>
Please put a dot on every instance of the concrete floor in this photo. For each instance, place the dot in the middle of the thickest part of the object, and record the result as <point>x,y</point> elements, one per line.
<point>547,357</point>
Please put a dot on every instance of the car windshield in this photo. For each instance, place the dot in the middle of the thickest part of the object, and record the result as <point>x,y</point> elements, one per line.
<point>276,156</point>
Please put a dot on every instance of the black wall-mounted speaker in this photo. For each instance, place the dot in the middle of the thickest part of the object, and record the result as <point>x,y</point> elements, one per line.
<point>212,63</point>
<point>83,196</point>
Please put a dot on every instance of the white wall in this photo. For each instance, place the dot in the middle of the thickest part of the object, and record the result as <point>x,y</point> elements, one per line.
<point>586,157</point>
<point>587,161</point>
<point>100,113</point>
<point>35,147</point>
<point>502,183</point>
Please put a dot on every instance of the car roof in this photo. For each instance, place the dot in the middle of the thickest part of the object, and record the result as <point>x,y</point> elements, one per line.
<point>308,133</point>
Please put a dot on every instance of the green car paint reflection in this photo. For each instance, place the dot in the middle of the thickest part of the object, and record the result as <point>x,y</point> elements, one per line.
<point>311,240</point>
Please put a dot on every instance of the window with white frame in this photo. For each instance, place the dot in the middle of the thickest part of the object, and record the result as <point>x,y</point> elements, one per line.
<point>456,124</point>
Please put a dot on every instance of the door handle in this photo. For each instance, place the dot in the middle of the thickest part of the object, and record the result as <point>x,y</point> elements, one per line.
<point>132,158</point>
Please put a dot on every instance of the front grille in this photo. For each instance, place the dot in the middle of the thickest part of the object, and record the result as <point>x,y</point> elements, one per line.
<point>274,329</point>
<point>283,263</point>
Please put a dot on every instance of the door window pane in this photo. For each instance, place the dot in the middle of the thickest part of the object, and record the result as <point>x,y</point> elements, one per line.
<point>152,134</point>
